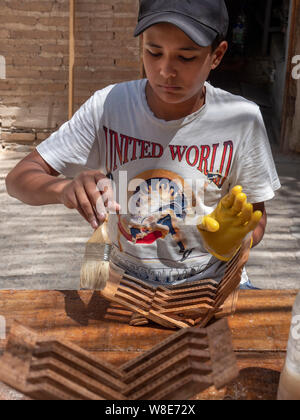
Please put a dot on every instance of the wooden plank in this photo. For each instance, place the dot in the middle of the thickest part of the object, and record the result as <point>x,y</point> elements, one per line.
<point>290,127</point>
<point>258,379</point>
<point>260,329</point>
<point>261,322</point>
<point>71,56</point>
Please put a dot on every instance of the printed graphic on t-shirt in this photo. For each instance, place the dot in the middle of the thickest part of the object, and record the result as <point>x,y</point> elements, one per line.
<point>214,161</point>
<point>156,231</point>
<point>159,206</point>
<point>157,237</point>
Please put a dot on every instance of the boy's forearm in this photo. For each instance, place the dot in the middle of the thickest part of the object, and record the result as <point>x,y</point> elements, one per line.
<point>34,187</point>
<point>259,232</point>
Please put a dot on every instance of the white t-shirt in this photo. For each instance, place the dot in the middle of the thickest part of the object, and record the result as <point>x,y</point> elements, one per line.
<point>167,173</point>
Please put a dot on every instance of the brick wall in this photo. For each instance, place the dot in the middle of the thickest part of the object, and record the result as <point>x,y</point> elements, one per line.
<point>34,45</point>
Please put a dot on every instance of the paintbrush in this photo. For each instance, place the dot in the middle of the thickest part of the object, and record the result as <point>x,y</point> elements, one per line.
<point>95,267</point>
<point>94,271</point>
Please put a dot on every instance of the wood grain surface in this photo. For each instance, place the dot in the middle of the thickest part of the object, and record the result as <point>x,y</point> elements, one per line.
<point>260,329</point>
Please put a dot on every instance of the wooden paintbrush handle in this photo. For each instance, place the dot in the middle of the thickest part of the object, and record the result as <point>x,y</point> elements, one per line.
<point>100,236</point>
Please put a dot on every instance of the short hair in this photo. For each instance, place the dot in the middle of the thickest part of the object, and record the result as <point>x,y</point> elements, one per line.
<point>217,42</point>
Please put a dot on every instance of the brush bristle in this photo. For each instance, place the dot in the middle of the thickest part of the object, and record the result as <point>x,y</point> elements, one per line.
<point>95,268</point>
<point>94,275</point>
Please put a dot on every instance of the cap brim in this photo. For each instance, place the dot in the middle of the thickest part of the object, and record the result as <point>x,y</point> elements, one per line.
<point>202,35</point>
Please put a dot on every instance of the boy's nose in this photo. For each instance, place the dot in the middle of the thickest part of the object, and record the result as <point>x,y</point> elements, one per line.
<point>167,69</point>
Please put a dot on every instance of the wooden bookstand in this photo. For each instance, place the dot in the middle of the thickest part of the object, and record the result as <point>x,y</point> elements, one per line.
<point>190,304</point>
<point>180,367</point>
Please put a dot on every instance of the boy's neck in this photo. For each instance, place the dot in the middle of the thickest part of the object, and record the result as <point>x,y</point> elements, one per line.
<point>173,112</point>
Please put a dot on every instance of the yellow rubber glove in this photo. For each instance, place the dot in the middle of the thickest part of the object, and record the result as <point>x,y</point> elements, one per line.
<point>225,228</point>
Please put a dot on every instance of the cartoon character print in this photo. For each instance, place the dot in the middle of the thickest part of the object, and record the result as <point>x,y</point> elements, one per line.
<point>157,206</point>
<point>162,204</point>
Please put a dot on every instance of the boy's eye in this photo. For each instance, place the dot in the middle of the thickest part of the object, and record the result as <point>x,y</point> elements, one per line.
<point>153,54</point>
<point>180,57</point>
<point>187,59</point>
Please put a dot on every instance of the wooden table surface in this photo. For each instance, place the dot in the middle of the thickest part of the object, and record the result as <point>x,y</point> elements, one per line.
<point>260,329</point>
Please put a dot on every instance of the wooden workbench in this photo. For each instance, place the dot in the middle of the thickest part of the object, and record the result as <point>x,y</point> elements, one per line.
<point>260,330</point>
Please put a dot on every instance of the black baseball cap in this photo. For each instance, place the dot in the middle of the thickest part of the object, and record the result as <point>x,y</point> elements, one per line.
<point>200,20</point>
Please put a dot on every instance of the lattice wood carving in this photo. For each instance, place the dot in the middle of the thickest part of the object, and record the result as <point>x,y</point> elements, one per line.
<point>180,367</point>
<point>190,304</point>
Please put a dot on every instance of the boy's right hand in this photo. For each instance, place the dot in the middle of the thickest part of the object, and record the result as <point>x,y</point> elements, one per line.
<point>91,194</point>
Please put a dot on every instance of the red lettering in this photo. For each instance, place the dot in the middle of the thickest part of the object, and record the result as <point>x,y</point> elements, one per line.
<point>226,144</point>
<point>116,147</point>
<point>160,152</point>
<point>134,141</point>
<point>230,144</point>
<point>145,149</point>
<point>212,163</point>
<point>106,157</point>
<point>127,140</point>
<point>177,153</point>
<point>205,152</point>
<point>111,150</point>
<point>120,145</point>
<point>196,155</point>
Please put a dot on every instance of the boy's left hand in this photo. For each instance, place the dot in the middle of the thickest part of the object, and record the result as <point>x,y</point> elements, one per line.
<point>225,228</point>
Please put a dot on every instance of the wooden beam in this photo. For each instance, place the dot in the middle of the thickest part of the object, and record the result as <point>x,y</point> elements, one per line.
<point>71,57</point>
<point>291,113</point>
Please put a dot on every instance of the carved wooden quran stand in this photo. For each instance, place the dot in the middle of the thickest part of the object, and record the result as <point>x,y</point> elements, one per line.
<point>190,304</point>
<point>181,366</point>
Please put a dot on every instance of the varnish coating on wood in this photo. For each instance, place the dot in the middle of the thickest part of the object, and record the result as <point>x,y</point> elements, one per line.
<point>191,304</point>
<point>260,330</point>
<point>186,363</point>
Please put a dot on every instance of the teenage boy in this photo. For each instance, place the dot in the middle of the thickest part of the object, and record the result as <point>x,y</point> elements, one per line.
<point>175,144</point>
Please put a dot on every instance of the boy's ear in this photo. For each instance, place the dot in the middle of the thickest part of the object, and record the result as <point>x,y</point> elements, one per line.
<point>218,54</point>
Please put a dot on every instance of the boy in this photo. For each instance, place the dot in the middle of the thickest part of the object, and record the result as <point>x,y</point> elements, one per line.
<point>174,144</point>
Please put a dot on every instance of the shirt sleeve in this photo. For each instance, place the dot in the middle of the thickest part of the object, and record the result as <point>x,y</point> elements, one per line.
<point>76,145</point>
<point>255,167</point>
